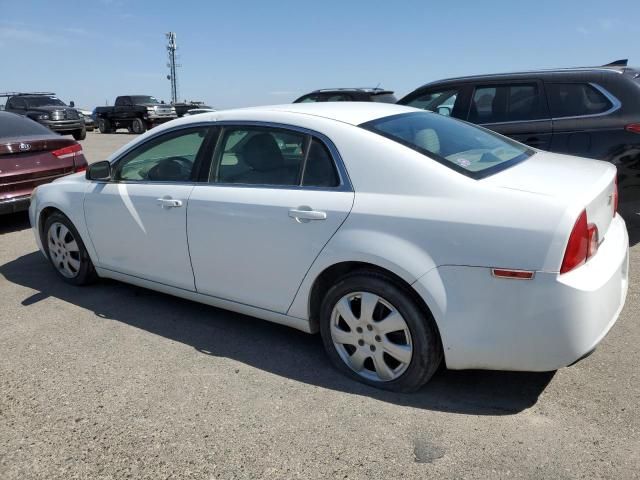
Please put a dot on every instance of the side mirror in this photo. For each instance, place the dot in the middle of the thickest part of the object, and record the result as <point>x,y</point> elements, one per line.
<point>446,111</point>
<point>99,171</point>
<point>72,104</point>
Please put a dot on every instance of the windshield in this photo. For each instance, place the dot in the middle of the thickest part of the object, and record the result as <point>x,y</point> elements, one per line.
<point>140,99</point>
<point>466,148</point>
<point>43,101</point>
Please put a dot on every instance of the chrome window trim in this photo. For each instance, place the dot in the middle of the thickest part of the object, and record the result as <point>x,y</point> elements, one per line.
<point>343,176</point>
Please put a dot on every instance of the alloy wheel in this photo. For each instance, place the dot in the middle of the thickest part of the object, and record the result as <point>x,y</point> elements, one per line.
<point>63,250</point>
<point>371,336</point>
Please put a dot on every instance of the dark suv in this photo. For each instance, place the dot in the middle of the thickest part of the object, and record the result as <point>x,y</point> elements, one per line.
<point>349,95</point>
<point>48,110</point>
<point>590,112</point>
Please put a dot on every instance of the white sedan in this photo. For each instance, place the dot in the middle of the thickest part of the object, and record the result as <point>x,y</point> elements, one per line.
<point>406,238</point>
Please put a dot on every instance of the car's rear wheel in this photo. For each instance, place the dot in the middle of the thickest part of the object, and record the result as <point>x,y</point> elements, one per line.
<point>138,126</point>
<point>104,125</point>
<point>80,134</point>
<point>375,332</point>
<point>66,251</point>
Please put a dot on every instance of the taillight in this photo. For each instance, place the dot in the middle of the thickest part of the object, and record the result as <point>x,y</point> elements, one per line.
<point>68,152</point>
<point>583,244</point>
<point>72,151</point>
<point>633,128</point>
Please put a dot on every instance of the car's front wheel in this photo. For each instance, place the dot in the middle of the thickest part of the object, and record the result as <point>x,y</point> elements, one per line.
<point>66,251</point>
<point>80,134</point>
<point>375,332</point>
<point>138,126</point>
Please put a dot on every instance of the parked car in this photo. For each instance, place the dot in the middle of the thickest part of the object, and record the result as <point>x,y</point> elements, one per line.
<point>137,113</point>
<point>198,111</point>
<point>589,112</point>
<point>48,110</point>
<point>401,235</point>
<point>349,95</point>
<point>31,155</point>
<point>183,107</point>
<point>88,119</point>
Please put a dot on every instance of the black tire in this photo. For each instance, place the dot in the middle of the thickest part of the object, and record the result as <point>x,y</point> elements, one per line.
<point>80,134</point>
<point>427,348</point>
<point>104,125</point>
<point>86,273</point>
<point>138,126</point>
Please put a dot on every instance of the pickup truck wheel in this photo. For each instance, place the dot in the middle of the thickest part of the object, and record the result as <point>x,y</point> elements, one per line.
<point>80,134</point>
<point>104,125</point>
<point>138,126</point>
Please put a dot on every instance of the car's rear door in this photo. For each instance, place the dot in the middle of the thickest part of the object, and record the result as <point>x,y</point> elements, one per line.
<point>517,109</point>
<point>137,222</point>
<point>274,198</point>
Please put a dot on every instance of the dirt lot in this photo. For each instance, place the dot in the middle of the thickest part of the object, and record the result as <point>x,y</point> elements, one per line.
<point>113,381</point>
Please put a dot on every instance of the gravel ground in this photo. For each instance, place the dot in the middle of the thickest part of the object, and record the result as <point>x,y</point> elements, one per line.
<point>113,381</point>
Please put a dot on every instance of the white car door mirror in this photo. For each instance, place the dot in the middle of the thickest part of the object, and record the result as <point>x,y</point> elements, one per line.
<point>99,171</point>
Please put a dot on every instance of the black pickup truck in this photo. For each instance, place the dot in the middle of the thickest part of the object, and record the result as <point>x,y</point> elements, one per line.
<point>137,113</point>
<point>48,110</point>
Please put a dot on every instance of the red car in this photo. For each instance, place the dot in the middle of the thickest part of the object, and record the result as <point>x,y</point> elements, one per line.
<point>31,155</point>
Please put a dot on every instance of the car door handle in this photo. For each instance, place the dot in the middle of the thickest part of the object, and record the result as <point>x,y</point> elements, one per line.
<point>305,214</point>
<point>167,202</point>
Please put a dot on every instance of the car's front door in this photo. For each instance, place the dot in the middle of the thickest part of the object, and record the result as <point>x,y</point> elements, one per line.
<point>518,110</point>
<point>274,199</point>
<point>137,222</point>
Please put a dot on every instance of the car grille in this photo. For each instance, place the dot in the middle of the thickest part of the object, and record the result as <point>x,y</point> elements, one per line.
<point>64,115</point>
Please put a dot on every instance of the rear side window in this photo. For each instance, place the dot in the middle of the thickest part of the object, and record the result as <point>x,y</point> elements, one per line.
<point>12,125</point>
<point>319,170</point>
<point>337,97</point>
<point>260,156</point>
<point>468,149</point>
<point>576,100</point>
<point>506,103</point>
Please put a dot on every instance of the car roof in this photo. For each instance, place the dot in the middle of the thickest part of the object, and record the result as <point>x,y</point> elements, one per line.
<point>371,90</point>
<point>611,70</point>
<point>353,113</point>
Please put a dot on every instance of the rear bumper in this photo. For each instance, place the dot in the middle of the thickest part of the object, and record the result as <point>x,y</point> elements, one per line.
<point>14,204</point>
<point>530,325</point>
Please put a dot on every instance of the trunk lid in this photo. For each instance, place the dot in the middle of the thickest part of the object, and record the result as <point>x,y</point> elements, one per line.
<point>27,163</point>
<point>588,184</point>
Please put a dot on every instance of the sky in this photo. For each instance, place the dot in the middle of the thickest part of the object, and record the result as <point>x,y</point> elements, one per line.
<point>240,53</point>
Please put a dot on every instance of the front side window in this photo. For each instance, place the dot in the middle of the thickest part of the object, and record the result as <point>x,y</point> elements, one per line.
<point>338,97</point>
<point>576,100</point>
<point>309,99</point>
<point>169,158</point>
<point>442,101</point>
<point>384,98</point>
<point>506,103</point>
<point>465,148</point>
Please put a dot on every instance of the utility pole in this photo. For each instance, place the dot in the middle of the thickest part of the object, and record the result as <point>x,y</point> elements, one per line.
<point>171,49</point>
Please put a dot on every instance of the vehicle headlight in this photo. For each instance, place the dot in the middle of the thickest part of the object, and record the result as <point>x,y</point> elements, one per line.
<point>173,109</point>
<point>43,116</point>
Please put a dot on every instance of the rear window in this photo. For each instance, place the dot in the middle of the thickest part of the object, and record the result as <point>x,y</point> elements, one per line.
<point>12,125</point>
<point>468,149</point>
<point>384,98</point>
